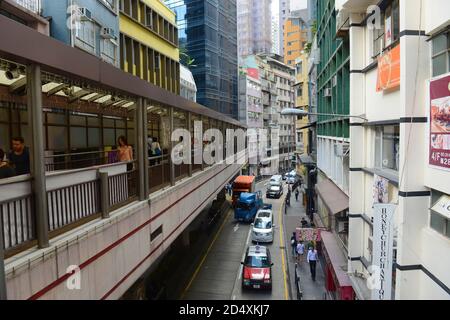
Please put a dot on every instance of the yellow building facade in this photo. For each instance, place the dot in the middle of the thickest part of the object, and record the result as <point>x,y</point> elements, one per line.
<point>149,43</point>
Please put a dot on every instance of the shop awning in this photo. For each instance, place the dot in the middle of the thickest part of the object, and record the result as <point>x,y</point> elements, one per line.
<point>337,259</point>
<point>334,198</point>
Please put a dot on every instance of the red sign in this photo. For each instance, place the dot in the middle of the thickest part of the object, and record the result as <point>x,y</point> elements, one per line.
<point>440,122</point>
<point>254,73</point>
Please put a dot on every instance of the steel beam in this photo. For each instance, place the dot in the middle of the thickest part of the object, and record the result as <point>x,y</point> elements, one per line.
<point>35,112</point>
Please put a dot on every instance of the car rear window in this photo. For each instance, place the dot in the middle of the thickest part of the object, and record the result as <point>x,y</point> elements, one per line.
<point>257,261</point>
<point>263,224</point>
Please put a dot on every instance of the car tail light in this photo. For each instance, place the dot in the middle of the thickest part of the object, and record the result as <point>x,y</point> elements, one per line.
<point>247,273</point>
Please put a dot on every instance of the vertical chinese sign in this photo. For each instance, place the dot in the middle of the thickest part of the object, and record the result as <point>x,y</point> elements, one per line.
<point>440,122</point>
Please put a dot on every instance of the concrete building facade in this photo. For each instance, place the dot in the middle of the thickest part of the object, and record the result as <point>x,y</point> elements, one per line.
<point>400,153</point>
<point>295,36</point>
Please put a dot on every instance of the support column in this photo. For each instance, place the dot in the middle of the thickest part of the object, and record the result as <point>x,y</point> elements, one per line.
<point>145,172</point>
<point>139,124</point>
<point>37,163</point>
<point>172,166</point>
<point>3,295</point>
<point>189,126</point>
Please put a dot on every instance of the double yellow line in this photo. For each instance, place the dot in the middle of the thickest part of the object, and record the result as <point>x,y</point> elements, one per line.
<point>282,245</point>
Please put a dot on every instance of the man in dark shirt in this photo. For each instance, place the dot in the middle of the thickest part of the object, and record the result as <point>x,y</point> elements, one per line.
<point>5,170</point>
<point>20,156</point>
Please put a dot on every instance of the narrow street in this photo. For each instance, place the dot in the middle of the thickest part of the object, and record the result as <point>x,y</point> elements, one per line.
<point>219,272</point>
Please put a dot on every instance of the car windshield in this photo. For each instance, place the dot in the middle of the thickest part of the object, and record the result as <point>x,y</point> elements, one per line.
<point>262,224</point>
<point>264,214</point>
<point>275,188</point>
<point>245,206</point>
<point>257,261</point>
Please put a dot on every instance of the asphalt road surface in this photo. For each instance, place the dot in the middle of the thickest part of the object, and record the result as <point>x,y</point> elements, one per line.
<point>219,273</point>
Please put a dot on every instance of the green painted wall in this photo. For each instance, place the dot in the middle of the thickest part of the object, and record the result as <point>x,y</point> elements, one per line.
<point>334,61</point>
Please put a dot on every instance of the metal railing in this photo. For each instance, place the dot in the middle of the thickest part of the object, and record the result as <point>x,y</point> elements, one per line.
<point>122,188</point>
<point>70,204</point>
<point>17,219</point>
<point>79,160</point>
<point>32,5</point>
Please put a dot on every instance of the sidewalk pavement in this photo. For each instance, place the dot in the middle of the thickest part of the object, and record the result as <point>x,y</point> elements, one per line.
<point>312,290</point>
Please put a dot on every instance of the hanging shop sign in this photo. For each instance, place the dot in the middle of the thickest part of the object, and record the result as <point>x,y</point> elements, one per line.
<point>440,122</point>
<point>389,70</point>
<point>380,190</point>
<point>308,234</point>
<point>383,242</point>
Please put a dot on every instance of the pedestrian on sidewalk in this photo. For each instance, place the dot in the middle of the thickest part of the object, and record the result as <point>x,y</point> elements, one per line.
<point>312,260</point>
<point>296,195</point>
<point>304,223</point>
<point>294,245</point>
<point>300,252</point>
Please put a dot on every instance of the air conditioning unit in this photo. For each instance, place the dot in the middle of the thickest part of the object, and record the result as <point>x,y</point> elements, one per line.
<point>327,92</point>
<point>108,33</point>
<point>334,81</point>
<point>85,13</point>
<point>342,24</point>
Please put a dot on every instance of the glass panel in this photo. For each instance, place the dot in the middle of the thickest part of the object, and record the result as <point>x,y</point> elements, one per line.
<point>108,122</point>
<point>130,124</point>
<point>130,136</point>
<point>4,114</point>
<point>23,116</point>
<point>120,123</point>
<point>439,44</point>
<point>56,118</point>
<point>109,138</point>
<point>440,65</point>
<point>94,137</point>
<point>93,121</point>
<point>391,145</point>
<point>121,132</point>
<point>4,137</point>
<point>57,138</point>
<point>25,134</point>
<point>437,222</point>
<point>77,120</point>
<point>78,137</point>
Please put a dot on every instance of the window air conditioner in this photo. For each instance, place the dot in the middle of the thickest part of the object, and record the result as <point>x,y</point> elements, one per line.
<point>334,81</point>
<point>108,33</point>
<point>327,92</point>
<point>85,13</point>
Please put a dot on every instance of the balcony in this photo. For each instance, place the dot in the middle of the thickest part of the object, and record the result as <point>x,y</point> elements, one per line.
<point>32,5</point>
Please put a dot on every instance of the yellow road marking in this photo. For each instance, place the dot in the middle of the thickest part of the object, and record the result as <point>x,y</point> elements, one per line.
<point>204,257</point>
<point>282,244</point>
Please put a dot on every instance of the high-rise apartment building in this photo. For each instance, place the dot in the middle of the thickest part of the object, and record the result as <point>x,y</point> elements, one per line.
<point>254,25</point>
<point>208,39</point>
<point>275,35</point>
<point>149,43</point>
<point>295,36</point>
<point>284,10</point>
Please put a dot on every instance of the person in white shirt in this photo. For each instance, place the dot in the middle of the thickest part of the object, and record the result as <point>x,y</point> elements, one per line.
<point>300,251</point>
<point>312,260</point>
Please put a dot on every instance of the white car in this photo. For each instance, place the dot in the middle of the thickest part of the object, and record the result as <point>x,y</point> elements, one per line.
<point>263,227</point>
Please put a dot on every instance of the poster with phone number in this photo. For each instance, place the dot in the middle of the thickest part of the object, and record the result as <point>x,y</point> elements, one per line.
<point>440,122</point>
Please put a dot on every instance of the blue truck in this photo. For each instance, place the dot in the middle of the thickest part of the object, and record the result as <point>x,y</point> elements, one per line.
<point>248,205</point>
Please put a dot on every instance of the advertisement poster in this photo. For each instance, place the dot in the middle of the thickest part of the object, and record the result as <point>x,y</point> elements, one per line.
<point>389,70</point>
<point>383,242</point>
<point>440,122</point>
<point>380,190</point>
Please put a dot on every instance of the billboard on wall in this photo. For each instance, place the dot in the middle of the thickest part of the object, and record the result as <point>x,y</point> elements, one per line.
<point>440,122</point>
<point>389,70</point>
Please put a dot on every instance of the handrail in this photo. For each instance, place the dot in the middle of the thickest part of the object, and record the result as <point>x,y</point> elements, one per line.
<point>78,154</point>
